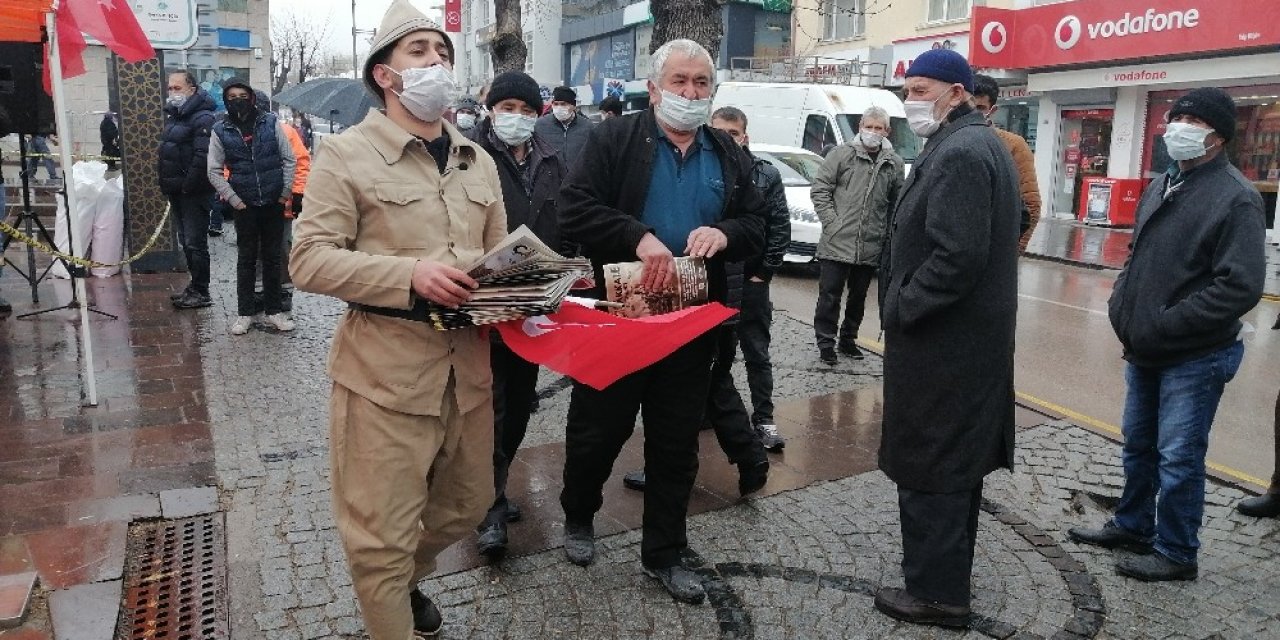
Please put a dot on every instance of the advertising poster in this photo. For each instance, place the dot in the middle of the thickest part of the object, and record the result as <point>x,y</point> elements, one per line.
<point>606,57</point>
<point>1099,203</point>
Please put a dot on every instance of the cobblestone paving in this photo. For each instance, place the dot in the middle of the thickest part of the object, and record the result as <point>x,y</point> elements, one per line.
<point>796,565</point>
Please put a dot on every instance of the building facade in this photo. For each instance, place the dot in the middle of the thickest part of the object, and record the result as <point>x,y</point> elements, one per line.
<point>540,24</point>
<point>1105,74</point>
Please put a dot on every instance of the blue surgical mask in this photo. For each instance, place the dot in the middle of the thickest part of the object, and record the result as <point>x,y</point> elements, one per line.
<point>513,128</point>
<point>1185,141</point>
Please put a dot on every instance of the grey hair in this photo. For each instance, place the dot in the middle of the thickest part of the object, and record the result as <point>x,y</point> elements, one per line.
<point>688,48</point>
<point>875,113</point>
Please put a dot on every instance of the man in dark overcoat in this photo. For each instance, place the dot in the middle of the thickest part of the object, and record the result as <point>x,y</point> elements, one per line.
<point>948,305</point>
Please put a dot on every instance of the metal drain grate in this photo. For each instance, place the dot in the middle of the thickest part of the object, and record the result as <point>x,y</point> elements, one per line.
<point>175,581</point>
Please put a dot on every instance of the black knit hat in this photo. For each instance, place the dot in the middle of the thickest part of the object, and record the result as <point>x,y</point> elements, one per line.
<point>232,82</point>
<point>1212,105</point>
<point>564,94</point>
<point>514,84</point>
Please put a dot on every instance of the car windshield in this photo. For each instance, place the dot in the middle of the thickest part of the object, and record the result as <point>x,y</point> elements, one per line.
<point>797,169</point>
<point>905,143</point>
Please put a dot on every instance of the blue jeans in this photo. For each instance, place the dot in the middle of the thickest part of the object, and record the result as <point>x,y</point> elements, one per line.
<point>1167,415</point>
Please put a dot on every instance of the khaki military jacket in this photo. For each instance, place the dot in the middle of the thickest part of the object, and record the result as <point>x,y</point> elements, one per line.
<point>375,205</point>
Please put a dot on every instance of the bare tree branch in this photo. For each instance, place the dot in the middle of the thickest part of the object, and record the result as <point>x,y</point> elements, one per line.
<point>298,44</point>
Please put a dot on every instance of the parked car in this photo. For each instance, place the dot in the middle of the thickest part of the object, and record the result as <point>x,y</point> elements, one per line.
<point>798,168</point>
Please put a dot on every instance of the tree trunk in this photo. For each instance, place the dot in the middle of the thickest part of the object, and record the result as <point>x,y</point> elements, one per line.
<point>697,20</point>
<point>302,62</point>
<point>507,46</point>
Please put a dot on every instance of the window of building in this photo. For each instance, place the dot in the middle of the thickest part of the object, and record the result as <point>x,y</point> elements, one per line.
<point>843,19</point>
<point>233,38</point>
<point>943,10</point>
<point>528,56</point>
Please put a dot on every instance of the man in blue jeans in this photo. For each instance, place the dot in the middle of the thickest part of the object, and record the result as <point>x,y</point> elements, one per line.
<point>1196,266</point>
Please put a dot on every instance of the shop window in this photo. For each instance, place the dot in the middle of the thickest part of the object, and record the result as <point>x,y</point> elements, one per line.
<point>528,56</point>
<point>842,19</point>
<point>945,10</point>
<point>818,134</point>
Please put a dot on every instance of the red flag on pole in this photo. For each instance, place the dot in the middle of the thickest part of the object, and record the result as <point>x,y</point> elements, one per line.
<point>113,23</point>
<point>71,46</point>
<point>453,16</point>
<point>597,348</point>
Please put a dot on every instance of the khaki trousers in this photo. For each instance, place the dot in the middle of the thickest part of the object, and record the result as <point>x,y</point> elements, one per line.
<point>405,487</point>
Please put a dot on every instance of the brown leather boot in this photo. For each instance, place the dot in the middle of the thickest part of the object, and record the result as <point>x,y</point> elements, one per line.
<point>897,603</point>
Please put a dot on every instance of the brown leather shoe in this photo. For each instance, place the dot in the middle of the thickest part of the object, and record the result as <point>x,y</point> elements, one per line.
<point>897,603</point>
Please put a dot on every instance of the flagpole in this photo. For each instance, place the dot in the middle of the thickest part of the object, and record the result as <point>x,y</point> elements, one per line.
<point>77,239</point>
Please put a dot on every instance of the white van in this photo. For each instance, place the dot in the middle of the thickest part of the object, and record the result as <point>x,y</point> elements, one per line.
<point>813,116</point>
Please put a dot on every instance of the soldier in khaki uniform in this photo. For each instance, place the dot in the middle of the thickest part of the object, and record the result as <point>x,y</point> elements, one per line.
<point>395,207</point>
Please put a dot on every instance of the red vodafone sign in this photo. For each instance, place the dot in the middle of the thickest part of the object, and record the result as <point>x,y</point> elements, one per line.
<point>1112,30</point>
<point>453,16</point>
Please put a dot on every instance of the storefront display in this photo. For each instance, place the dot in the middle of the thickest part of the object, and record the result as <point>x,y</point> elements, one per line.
<point>1086,139</point>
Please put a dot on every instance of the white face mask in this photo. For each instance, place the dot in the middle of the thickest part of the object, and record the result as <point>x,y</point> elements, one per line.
<point>563,113</point>
<point>176,100</point>
<point>427,92</point>
<point>1185,141</point>
<point>920,115</point>
<point>513,128</point>
<point>681,113</point>
<point>871,139</point>
<point>466,120</point>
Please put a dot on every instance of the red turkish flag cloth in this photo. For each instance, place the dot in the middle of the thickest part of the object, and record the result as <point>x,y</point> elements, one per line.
<point>71,46</point>
<point>598,348</point>
<point>453,16</point>
<point>113,23</point>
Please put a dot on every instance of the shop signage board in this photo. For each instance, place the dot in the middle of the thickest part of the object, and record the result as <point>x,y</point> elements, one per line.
<point>1087,31</point>
<point>905,51</point>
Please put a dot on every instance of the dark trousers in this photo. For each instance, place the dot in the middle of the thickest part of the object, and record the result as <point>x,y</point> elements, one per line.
<point>515,382</point>
<point>938,535</point>
<point>833,279</point>
<point>216,215</point>
<point>671,395</point>
<point>259,236</point>
<point>753,334</point>
<point>190,216</point>
<point>725,410</point>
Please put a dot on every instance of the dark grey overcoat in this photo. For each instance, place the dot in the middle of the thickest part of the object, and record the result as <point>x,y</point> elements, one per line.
<point>949,291</point>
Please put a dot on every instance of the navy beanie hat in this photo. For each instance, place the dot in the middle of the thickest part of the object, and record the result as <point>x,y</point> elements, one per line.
<point>1212,105</point>
<point>945,65</point>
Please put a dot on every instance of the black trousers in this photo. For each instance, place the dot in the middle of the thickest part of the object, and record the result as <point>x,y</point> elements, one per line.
<point>754,323</point>
<point>833,279</point>
<point>671,395</point>
<point>725,410</point>
<point>259,236</point>
<point>515,383</point>
<point>190,215</point>
<point>939,531</point>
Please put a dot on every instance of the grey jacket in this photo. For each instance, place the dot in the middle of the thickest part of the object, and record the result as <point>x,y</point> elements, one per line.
<point>1197,263</point>
<point>567,140</point>
<point>853,194</point>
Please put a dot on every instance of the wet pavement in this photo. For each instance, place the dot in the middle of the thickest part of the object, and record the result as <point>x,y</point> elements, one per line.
<point>1075,243</point>
<point>186,405</point>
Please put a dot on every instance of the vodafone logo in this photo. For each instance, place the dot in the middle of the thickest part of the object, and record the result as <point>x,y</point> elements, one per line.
<point>994,37</point>
<point>1068,32</point>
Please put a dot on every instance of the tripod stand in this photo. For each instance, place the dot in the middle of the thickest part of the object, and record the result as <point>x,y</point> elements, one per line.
<point>32,223</point>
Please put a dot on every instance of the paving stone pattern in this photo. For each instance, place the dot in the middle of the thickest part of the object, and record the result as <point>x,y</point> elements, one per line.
<point>801,564</point>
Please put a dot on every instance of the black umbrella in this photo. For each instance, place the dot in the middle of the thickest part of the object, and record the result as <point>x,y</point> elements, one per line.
<point>345,101</point>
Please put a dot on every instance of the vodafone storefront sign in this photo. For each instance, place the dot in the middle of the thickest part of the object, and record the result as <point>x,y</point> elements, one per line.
<point>1111,30</point>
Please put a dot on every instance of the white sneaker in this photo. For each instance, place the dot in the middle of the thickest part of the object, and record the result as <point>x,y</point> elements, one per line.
<point>241,325</point>
<point>280,321</point>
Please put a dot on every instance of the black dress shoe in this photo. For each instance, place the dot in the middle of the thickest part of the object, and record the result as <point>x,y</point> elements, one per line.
<point>492,541</point>
<point>683,584</point>
<point>193,300</point>
<point>634,480</point>
<point>427,620</point>
<point>1156,567</point>
<point>752,477</point>
<point>1266,505</point>
<point>513,511</point>
<point>897,603</point>
<point>852,351</point>
<point>580,543</point>
<point>827,356</point>
<point>1111,537</point>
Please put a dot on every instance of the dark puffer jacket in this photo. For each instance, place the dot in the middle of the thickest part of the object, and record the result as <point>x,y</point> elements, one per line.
<point>257,173</point>
<point>184,146</point>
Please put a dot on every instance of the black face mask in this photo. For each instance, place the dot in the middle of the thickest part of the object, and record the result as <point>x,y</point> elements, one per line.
<point>241,110</point>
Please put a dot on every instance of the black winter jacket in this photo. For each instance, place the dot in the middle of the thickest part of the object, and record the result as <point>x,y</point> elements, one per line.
<point>777,234</point>
<point>603,199</point>
<point>181,160</point>
<point>1196,264</point>
<point>535,207</point>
